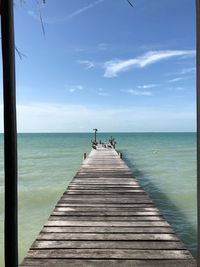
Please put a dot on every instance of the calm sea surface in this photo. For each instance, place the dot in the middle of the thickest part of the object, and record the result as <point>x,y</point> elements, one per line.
<point>164,163</point>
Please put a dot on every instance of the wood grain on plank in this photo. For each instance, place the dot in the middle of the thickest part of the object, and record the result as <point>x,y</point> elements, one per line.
<point>50,244</point>
<point>107,263</point>
<point>97,229</point>
<point>109,253</point>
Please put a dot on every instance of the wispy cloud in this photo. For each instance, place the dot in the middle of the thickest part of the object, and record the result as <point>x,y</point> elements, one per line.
<point>181,72</point>
<point>146,86</point>
<point>77,12</point>
<point>178,79</point>
<point>75,88</point>
<point>101,92</point>
<point>187,70</point>
<point>114,67</point>
<point>179,88</point>
<point>83,9</point>
<point>33,15</point>
<point>87,63</point>
<point>38,16</point>
<point>138,92</point>
<point>176,88</point>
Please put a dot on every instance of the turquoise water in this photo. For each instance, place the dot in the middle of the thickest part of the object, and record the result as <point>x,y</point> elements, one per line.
<point>164,163</point>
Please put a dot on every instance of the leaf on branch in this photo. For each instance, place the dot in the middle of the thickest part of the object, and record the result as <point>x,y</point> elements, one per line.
<point>130,3</point>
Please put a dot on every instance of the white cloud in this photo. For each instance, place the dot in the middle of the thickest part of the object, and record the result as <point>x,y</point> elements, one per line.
<point>138,92</point>
<point>88,64</point>
<point>79,87</point>
<point>146,86</point>
<point>102,93</point>
<point>178,79</point>
<point>83,9</point>
<point>75,88</point>
<point>71,90</point>
<point>33,15</point>
<point>77,12</point>
<point>179,88</point>
<point>114,67</point>
<point>41,18</point>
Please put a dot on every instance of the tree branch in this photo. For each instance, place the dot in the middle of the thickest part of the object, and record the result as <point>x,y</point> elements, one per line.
<point>130,3</point>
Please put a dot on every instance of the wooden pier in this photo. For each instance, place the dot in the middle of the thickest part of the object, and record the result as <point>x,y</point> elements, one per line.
<point>105,218</point>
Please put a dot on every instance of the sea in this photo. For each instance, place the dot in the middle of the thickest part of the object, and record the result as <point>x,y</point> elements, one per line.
<point>163,163</point>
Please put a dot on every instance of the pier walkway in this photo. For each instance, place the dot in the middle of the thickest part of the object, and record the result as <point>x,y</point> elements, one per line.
<point>104,219</point>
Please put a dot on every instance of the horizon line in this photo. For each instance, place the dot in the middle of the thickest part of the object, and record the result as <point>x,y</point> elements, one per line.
<point>105,132</point>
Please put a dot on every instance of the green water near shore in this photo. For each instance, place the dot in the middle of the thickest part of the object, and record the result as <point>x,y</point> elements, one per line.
<point>164,163</point>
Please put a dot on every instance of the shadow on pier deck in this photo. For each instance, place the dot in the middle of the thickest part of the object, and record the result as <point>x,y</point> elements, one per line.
<point>105,218</point>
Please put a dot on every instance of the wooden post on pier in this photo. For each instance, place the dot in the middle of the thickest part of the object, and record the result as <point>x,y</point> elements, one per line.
<point>198,124</point>
<point>95,135</point>
<point>10,135</point>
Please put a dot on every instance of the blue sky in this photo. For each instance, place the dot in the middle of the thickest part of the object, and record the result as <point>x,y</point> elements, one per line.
<point>104,64</point>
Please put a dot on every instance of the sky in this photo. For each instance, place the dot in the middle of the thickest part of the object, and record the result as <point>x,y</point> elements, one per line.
<point>103,64</point>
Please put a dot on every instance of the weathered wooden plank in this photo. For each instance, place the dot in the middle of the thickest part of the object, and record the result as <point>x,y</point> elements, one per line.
<point>106,200</point>
<point>105,205</point>
<point>105,178</point>
<point>100,186</point>
<point>141,195</point>
<point>105,182</point>
<point>105,175</point>
<point>105,218</point>
<point>86,202</point>
<point>111,209</point>
<point>107,263</point>
<point>75,186</point>
<point>109,253</point>
<point>104,192</point>
<point>97,171</point>
<point>115,176</point>
<point>103,213</point>
<point>108,223</point>
<point>150,245</point>
<point>97,229</point>
<point>102,236</point>
<point>108,197</point>
<point>96,194</point>
<point>101,171</point>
